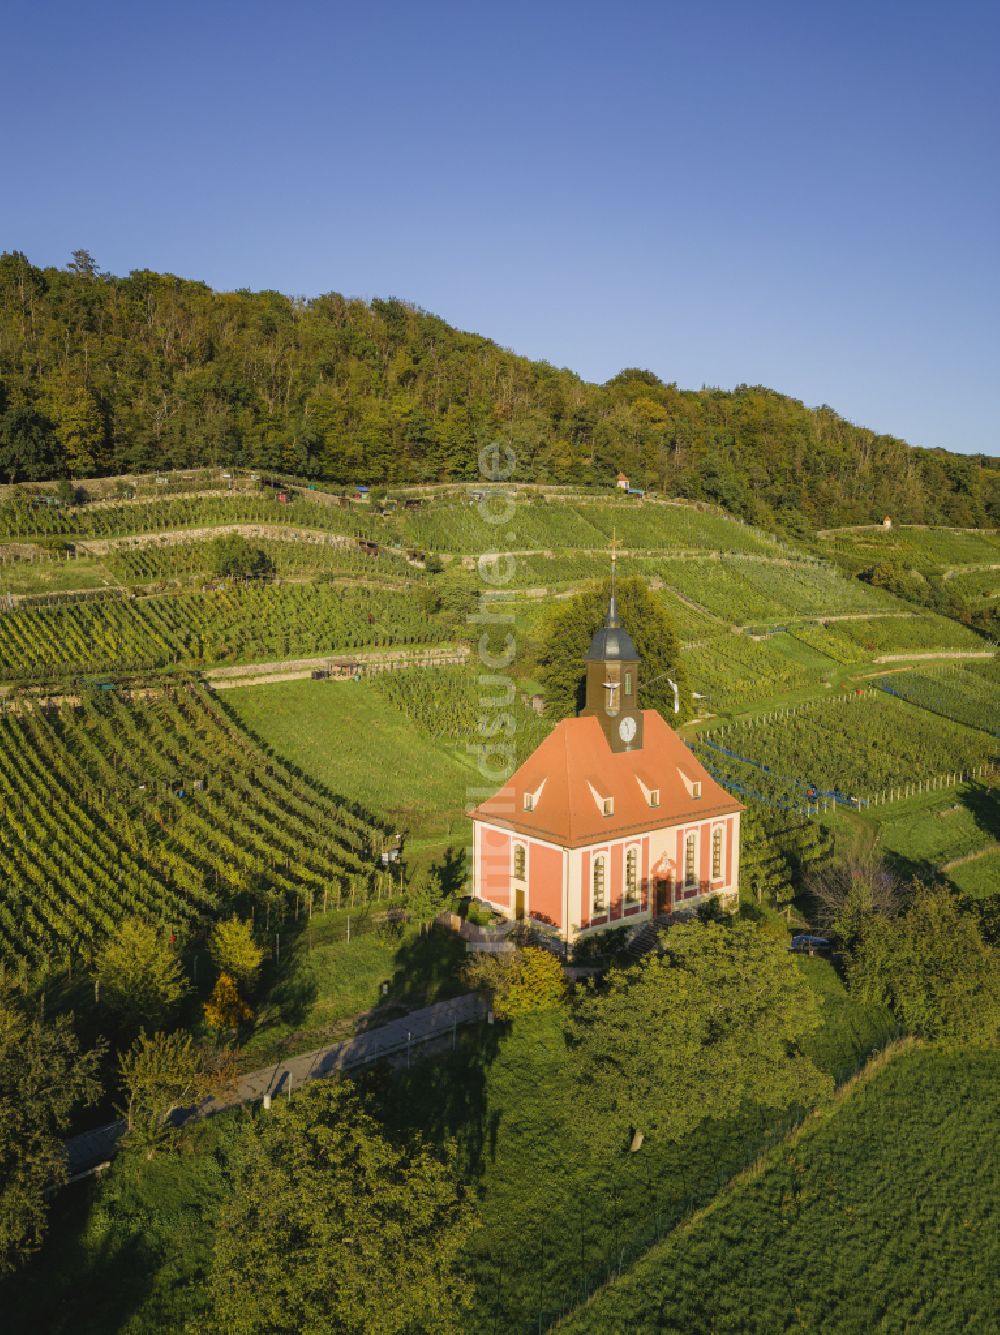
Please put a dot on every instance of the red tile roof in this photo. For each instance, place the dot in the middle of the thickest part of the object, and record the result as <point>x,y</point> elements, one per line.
<point>574,768</point>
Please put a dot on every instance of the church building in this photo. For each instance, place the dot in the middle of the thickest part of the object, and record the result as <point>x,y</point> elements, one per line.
<point>612,819</point>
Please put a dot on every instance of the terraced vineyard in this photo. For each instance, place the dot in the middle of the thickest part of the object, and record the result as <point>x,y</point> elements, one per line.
<point>147,564</point>
<point>953,692</point>
<point>458,524</point>
<point>978,588</point>
<point>677,527</point>
<point>161,807</point>
<point>553,525</point>
<point>226,625</point>
<point>747,592</point>
<point>104,520</point>
<point>855,746</point>
<point>729,670</point>
<point>926,633</point>
<point>464,526</point>
<point>925,549</point>
<point>448,703</point>
<point>859,641</point>
<point>826,640</point>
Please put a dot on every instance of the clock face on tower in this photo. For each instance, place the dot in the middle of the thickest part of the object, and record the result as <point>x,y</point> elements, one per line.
<point>626,729</point>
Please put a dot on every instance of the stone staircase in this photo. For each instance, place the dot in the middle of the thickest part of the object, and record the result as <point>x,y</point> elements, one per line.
<point>646,938</point>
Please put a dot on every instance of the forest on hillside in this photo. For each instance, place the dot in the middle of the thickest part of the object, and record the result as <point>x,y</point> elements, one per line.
<point>104,375</point>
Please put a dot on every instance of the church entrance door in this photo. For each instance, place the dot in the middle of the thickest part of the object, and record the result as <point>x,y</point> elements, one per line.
<point>519,905</point>
<point>664,888</point>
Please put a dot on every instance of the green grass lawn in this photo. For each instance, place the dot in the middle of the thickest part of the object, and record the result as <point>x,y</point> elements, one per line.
<point>359,745</point>
<point>879,1217</point>
<point>54,576</point>
<point>980,878</point>
<point>937,827</point>
<point>325,981</point>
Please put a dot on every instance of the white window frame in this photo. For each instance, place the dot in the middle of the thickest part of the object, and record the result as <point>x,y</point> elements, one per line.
<point>691,880</point>
<point>719,834</point>
<point>631,902</point>
<point>598,860</point>
<point>516,848</point>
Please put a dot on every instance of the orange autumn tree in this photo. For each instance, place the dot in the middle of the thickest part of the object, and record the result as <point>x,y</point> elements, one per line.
<point>225,1008</point>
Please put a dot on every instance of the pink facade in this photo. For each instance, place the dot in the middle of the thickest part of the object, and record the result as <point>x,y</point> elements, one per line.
<point>558,885</point>
<point>493,865</point>
<point>545,883</point>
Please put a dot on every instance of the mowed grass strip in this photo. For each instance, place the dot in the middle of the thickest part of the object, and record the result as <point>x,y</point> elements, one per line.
<point>359,745</point>
<point>979,878</point>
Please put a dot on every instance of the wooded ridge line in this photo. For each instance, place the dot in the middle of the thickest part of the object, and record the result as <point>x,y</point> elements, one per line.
<point>101,374</point>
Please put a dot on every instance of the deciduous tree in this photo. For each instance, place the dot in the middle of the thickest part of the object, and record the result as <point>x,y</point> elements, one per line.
<point>225,1009</point>
<point>234,951</point>
<point>235,558</point>
<point>849,892</point>
<point>137,973</point>
<point>714,1020</point>
<point>330,1227</point>
<point>43,1076</point>
<point>519,981</point>
<point>932,968</point>
<point>572,627</point>
<point>159,1073</point>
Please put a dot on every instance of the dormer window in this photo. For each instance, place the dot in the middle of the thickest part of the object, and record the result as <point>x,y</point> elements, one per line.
<point>696,788</point>
<point>654,797</point>
<point>693,786</point>
<point>529,801</point>
<point>605,805</point>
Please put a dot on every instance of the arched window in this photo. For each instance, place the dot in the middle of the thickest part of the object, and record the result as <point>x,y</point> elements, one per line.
<point>599,900</point>
<point>717,853</point>
<point>691,860</point>
<point>520,862</point>
<point>632,876</point>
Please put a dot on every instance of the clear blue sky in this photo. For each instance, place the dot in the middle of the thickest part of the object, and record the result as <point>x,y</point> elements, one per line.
<point>802,195</point>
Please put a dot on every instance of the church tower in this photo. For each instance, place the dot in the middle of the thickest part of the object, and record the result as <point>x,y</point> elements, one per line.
<point>612,686</point>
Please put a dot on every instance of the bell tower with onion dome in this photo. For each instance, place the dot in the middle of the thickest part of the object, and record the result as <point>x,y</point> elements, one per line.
<point>612,683</point>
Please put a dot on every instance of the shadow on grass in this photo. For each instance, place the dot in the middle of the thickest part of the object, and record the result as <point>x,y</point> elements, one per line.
<point>982,803</point>
<point>443,1096</point>
<point>450,872</point>
<point>294,992</point>
<point>428,968</point>
<point>73,1285</point>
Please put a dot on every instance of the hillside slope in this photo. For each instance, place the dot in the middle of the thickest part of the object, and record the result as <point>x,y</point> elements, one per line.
<point>104,374</point>
<point>876,1216</point>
